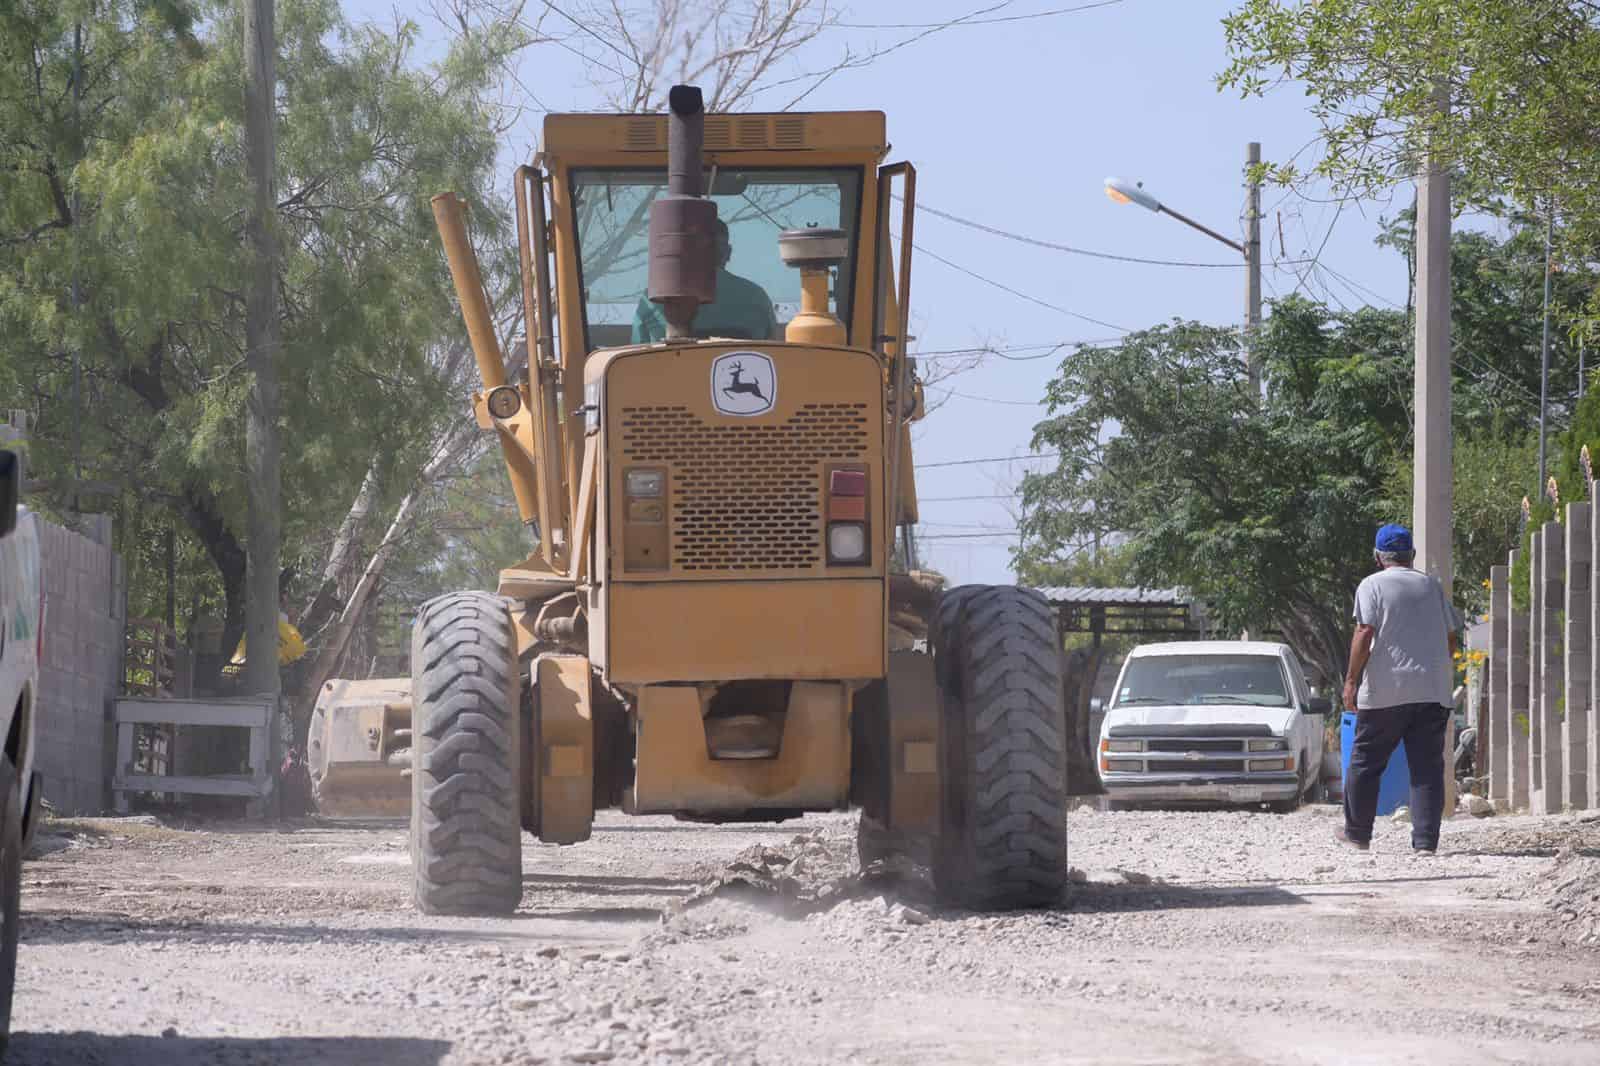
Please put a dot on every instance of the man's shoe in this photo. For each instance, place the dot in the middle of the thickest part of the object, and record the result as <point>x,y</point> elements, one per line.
<point>1424,851</point>
<point>1343,836</point>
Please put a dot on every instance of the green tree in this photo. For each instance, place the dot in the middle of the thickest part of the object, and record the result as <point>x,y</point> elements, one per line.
<point>1265,513</point>
<point>121,214</point>
<point>1521,81</point>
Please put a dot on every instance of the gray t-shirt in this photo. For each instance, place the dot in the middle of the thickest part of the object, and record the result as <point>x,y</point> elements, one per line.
<point>1410,660</point>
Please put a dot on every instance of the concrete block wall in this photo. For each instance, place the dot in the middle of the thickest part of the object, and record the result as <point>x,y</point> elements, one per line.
<point>1545,741</point>
<point>1499,739</point>
<point>1577,649</point>
<point>81,672</point>
<point>1517,706</point>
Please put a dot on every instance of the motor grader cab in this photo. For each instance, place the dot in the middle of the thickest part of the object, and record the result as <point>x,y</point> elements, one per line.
<point>716,622</point>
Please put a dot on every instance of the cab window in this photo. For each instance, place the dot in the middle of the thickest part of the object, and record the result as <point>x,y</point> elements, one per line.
<point>757,294</point>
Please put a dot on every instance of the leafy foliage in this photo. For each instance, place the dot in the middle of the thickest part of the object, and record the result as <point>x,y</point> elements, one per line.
<point>1266,513</point>
<point>121,228</point>
<point>1521,82</point>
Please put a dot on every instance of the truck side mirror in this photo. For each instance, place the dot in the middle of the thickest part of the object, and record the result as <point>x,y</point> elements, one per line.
<point>1096,705</point>
<point>10,489</point>
<point>1320,705</point>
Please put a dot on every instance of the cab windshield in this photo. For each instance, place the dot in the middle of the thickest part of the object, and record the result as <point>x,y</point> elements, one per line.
<point>756,294</point>
<point>1197,679</point>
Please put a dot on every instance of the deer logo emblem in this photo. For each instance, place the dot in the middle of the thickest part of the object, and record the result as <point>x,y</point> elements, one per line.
<point>735,386</point>
<point>743,383</point>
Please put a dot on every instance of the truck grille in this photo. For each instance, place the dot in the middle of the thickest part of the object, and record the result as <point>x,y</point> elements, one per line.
<point>746,495</point>
<point>1181,745</point>
<point>1183,766</point>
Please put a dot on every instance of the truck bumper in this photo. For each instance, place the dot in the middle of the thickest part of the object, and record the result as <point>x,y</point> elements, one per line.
<point>1212,788</point>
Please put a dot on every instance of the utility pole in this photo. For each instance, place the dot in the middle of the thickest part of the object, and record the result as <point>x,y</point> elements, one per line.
<point>1252,261</point>
<point>261,354</point>
<point>1544,350</point>
<point>1432,469</point>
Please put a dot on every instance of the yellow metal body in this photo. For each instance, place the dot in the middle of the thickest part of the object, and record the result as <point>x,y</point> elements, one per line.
<point>562,750</point>
<point>356,747</point>
<point>815,324</point>
<point>913,722</point>
<point>675,772</point>
<point>727,576</point>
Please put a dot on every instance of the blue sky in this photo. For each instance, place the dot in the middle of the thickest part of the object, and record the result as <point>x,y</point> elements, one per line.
<point>1016,125</point>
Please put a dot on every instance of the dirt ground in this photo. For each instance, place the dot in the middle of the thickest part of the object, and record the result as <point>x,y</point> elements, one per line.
<point>1208,937</point>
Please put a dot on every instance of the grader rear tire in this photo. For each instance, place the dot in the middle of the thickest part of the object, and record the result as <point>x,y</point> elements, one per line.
<point>467,757</point>
<point>1003,750</point>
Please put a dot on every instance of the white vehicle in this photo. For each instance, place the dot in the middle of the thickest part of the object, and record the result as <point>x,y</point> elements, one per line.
<point>21,610</point>
<point>1212,722</point>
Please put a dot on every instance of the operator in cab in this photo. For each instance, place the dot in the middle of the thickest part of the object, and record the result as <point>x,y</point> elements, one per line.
<point>742,308</point>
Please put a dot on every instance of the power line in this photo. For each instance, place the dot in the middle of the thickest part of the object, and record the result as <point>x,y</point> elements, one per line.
<point>976,22</point>
<point>1022,295</point>
<point>996,459</point>
<point>966,536</point>
<point>1051,348</point>
<point>985,399</point>
<point>1053,246</point>
<point>964,499</point>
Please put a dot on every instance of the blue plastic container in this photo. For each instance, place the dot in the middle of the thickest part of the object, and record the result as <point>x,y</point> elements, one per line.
<point>1394,787</point>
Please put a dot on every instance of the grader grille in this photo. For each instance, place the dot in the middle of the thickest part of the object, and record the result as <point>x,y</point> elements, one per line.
<point>746,496</point>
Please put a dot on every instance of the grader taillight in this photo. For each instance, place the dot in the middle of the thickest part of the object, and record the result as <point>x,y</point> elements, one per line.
<point>847,517</point>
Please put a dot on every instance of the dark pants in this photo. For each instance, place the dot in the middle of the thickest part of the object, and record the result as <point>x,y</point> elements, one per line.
<point>1421,727</point>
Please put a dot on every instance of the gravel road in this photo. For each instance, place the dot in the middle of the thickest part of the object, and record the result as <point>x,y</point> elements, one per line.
<point>1214,937</point>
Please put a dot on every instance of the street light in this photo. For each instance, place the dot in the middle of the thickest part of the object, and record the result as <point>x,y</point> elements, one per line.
<point>1123,191</point>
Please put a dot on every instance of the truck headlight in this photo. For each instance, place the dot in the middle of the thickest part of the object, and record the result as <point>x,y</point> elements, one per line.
<point>1122,765</point>
<point>847,542</point>
<point>1270,765</point>
<point>1122,745</point>
<point>1275,744</point>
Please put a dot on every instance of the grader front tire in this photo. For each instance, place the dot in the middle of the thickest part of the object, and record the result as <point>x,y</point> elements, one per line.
<point>467,757</point>
<point>1003,750</point>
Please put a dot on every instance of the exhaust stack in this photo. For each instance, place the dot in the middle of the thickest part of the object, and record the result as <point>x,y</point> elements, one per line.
<point>683,269</point>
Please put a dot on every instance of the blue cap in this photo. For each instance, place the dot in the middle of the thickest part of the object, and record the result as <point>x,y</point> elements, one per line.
<point>1393,538</point>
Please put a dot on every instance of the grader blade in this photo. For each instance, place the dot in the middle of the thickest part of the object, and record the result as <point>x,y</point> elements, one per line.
<point>359,748</point>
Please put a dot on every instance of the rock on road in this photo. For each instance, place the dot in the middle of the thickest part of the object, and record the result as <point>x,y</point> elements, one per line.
<point>1206,937</point>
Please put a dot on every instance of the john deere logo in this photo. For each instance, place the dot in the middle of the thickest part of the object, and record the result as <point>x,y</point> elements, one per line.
<point>743,383</point>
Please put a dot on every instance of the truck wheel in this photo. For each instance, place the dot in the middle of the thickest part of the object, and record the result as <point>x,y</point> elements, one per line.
<point>1003,750</point>
<point>466,746</point>
<point>10,889</point>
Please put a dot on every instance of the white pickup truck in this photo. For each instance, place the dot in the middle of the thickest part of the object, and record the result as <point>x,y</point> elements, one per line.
<point>21,616</point>
<point>1212,722</point>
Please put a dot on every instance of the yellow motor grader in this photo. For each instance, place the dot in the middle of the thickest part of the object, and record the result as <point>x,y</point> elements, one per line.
<point>711,449</point>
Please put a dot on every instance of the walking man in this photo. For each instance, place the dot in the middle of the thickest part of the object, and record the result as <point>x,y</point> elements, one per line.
<point>1399,686</point>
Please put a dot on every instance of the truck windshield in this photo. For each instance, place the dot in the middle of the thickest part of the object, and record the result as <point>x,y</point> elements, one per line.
<point>1195,679</point>
<point>756,294</point>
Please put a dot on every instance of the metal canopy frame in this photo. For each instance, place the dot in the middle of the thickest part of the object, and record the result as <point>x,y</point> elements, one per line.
<point>1126,612</point>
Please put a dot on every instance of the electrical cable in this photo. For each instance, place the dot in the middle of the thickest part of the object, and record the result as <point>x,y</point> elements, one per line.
<point>1014,292</point>
<point>977,22</point>
<point>1053,246</point>
<point>984,399</point>
<point>996,459</point>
